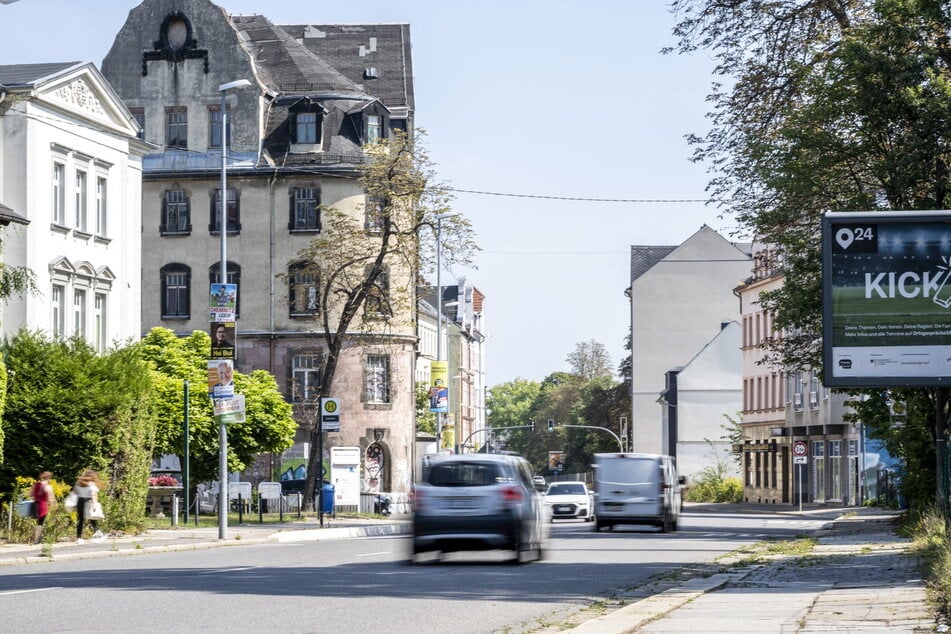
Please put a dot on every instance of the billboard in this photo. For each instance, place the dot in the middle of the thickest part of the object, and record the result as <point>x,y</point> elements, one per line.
<point>886,299</point>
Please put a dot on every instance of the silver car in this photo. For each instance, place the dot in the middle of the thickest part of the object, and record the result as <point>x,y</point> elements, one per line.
<point>478,502</point>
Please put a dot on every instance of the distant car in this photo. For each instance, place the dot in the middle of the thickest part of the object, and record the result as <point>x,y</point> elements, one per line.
<point>637,488</point>
<point>569,500</point>
<point>478,502</point>
<point>539,482</point>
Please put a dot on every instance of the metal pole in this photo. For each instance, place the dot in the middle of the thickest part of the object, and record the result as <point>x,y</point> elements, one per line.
<point>439,415</point>
<point>222,277</point>
<point>185,474</point>
<point>799,482</point>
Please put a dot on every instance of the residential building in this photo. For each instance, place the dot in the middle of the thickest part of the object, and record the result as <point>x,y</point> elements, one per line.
<point>680,298</point>
<point>70,183</point>
<point>295,141</point>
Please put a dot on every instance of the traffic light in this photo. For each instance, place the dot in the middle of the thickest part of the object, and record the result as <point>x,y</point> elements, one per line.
<point>551,424</point>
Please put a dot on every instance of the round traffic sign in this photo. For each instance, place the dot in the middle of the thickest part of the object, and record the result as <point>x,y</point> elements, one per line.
<point>799,448</point>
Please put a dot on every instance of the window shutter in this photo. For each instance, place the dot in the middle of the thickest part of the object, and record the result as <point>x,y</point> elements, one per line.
<point>291,209</point>
<point>163,221</point>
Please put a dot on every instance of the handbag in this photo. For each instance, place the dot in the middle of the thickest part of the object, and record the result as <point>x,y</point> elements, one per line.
<point>71,501</point>
<point>94,511</point>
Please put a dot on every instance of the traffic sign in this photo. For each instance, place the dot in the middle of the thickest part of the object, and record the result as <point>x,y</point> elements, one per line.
<point>800,460</point>
<point>799,448</point>
<point>330,414</point>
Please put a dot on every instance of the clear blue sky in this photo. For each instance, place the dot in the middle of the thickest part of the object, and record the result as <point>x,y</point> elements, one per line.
<point>537,97</point>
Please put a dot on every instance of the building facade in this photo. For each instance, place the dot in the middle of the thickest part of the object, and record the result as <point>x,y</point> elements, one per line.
<point>680,298</point>
<point>295,140</point>
<point>70,175</point>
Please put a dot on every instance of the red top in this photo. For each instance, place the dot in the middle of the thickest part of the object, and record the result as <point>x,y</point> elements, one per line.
<point>40,497</point>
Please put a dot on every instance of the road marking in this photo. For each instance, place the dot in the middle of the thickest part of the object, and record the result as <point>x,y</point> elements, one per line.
<point>33,590</point>
<point>223,571</point>
<point>385,552</point>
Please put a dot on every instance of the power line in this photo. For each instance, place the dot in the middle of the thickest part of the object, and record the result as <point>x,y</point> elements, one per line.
<point>582,198</point>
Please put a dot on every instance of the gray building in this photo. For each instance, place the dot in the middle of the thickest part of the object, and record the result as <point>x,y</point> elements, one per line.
<point>295,141</point>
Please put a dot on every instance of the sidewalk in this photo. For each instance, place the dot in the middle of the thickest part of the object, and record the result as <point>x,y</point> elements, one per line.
<point>185,537</point>
<point>859,578</point>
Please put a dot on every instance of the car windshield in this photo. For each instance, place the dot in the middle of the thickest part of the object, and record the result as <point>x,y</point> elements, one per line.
<point>465,474</point>
<point>566,489</point>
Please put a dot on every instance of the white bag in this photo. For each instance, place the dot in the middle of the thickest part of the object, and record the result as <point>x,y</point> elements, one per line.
<point>71,501</point>
<point>94,511</point>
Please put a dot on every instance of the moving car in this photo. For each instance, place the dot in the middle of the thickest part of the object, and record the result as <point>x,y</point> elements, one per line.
<point>637,488</point>
<point>569,500</point>
<point>478,502</point>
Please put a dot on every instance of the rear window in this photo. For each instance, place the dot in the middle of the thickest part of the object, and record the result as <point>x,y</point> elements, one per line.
<point>465,474</point>
<point>566,489</point>
<point>627,470</point>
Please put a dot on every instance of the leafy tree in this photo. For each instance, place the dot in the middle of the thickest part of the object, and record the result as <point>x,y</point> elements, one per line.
<point>71,409</point>
<point>831,105</point>
<point>425,419</point>
<point>379,270</point>
<point>513,404</point>
<point>590,360</point>
<point>269,425</point>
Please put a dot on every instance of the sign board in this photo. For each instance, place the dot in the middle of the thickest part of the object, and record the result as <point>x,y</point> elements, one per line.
<point>345,475</point>
<point>239,488</point>
<point>330,414</point>
<point>223,302</point>
<point>754,447</point>
<point>556,461</point>
<point>886,290</point>
<point>229,410</point>
<point>800,448</point>
<point>439,386</point>
<point>269,490</point>
<point>800,460</point>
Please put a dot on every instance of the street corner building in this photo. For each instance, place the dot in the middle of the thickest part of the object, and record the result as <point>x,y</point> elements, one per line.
<point>294,141</point>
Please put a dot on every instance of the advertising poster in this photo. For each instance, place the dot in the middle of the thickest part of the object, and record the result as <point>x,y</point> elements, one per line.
<point>439,386</point>
<point>887,299</point>
<point>223,302</point>
<point>345,475</point>
<point>221,378</point>
<point>222,339</point>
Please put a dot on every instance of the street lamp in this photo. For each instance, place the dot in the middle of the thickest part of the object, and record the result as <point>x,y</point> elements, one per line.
<point>223,277</point>
<point>439,219</point>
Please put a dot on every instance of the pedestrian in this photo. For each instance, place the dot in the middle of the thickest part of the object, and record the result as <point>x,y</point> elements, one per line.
<point>44,500</point>
<point>87,490</point>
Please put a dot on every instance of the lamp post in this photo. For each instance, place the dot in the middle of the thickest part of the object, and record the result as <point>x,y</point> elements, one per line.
<point>223,277</point>
<point>439,219</point>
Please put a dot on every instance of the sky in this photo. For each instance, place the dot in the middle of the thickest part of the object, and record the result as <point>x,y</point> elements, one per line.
<point>537,102</point>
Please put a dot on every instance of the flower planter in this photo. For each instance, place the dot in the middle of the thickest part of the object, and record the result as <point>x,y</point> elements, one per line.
<point>158,495</point>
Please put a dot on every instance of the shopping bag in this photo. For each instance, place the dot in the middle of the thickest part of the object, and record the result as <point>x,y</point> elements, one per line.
<point>71,501</point>
<point>94,511</point>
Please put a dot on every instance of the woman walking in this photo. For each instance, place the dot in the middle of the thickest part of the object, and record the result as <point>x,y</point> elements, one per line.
<point>87,490</point>
<point>45,501</point>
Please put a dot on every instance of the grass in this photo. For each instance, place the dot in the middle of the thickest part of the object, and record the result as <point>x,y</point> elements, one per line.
<point>928,530</point>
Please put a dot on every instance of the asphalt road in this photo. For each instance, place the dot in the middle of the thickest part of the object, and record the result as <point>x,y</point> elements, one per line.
<point>365,585</point>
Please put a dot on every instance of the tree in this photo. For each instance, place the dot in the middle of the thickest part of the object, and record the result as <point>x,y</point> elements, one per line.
<point>269,425</point>
<point>832,105</point>
<point>513,404</point>
<point>71,409</point>
<point>367,279</point>
<point>590,360</point>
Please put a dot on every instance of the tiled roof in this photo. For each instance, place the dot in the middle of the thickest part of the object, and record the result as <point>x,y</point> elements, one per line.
<point>26,74</point>
<point>643,258</point>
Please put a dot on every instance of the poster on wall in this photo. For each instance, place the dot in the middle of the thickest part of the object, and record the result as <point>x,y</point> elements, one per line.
<point>345,475</point>
<point>886,299</point>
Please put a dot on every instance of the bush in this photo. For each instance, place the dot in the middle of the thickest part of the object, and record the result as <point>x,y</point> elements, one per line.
<point>707,486</point>
<point>927,528</point>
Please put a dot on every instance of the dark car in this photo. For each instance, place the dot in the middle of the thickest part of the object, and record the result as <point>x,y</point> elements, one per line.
<point>478,502</point>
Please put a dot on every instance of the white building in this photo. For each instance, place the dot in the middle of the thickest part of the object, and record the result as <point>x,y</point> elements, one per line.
<point>71,167</point>
<point>680,297</point>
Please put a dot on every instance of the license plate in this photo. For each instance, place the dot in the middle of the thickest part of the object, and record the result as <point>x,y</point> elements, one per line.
<point>563,509</point>
<point>461,503</point>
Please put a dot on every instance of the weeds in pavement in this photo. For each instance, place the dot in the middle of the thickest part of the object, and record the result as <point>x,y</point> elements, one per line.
<point>928,530</point>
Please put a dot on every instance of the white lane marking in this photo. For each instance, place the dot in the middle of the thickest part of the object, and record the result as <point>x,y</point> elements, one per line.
<point>33,590</point>
<point>223,571</point>
<point>385,552</point>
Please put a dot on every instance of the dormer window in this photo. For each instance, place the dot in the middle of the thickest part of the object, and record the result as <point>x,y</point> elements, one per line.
<point>374,128</point>
<point>306,128</point>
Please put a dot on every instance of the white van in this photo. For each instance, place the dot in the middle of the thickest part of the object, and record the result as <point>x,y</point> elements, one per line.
<point>636,488</point>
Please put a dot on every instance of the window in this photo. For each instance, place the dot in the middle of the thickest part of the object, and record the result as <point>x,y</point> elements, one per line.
<point>176,282</point>
<point>374,128</point>
<point>305,382</point>
<point>59,193</point>
<point>57,318</point>
<point>374,214</point>
<point>303,289</point>
<point>139,115</point>
<point>101,215</point>
<point>214,130</point>
<point>79,312</point>
<point>176,128</point>
<point>378,378</point>
<point>306,128</point>
<point>175,212</point>
<point>81,200</point>
<point>378,303</point>
<point>234,277</point>
<point>100,316</point>
<point>305,209</point>
<point>233,224</point>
